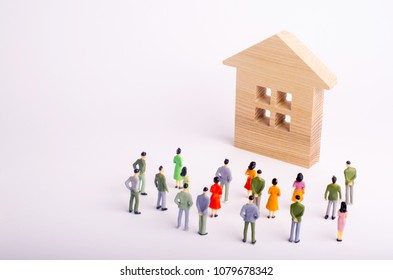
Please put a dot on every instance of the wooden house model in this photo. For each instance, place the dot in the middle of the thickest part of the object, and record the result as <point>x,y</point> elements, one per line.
<point>279,99</point>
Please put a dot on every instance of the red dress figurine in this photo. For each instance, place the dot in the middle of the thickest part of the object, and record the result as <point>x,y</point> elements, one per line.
<point>215,198</point>
<point>251,173</point>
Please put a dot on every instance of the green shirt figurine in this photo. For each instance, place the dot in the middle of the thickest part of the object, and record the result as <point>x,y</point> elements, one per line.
<point>350,176</point>
<point>334,192</point>
<point>160,182</point>
<point>141,165</point>
<point>297,212</point>
<point>257,186</point>
<point>183,200</point>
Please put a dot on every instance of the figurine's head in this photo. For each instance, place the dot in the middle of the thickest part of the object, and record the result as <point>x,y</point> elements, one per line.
<point>136,171</point>
<point>143,154</point>
<point>348,163</point>
<point>216,180</point>
<point>161,169</point>
<point>274,181</point>
<point>299,177</point>
<point>250,198</point>
<point>334,179</point>
<point>183,171</point>
<point>185,186</point>
<point>226,161</point>
<point>205,189</point>
<point>343,207</point>
<point>252,165</point>
<point>178,151</point>
<point>259,172</point>
<point>297,197</point>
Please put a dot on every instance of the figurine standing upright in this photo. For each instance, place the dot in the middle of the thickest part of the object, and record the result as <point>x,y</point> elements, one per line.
<point>334,192</point>
<point>183,200</point>
<point>350,176</point>
<point>298,187</point>
<point>342,217</point>
<point>297,212</point>
<point>257,186</point>
<point>202,203</point>
<point>215,203</point>
<point>178,161</point>
<point>272,202</point>
<point>250,214</point>
<point>160,182</point>
<point>184,176</point>
<point>225,176</point>
<point>141,165</point>
<point>251,174</point>
<point>132,184</point>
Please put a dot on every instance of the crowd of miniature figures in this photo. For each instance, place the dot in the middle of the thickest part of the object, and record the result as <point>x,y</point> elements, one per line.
<point>254,185</point>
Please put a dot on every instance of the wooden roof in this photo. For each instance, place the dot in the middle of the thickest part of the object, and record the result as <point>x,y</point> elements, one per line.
<point>284,56</point>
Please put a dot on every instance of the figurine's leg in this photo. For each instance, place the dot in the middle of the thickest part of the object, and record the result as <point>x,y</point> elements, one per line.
<point>142,182</point>
<point>130,208</point>
<point>347,190</point>
<point>187,212</point>
<point>226,192</point>
<point>351,196</point>
<point>292,231</point>
<point>179,217</point>
<point>253,232</point>
<point>136,208</point>
<point>328,209</point>
<point>159,198</point>
<point>297,236</point>
<point>203,227</point>
<point>334,209</point>
<point>163,199</point>
<point>245,231</point>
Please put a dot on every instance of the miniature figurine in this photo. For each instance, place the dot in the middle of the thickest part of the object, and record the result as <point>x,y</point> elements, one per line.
<point>298,187</point>
<point>215,203</point>
<point>225,176</point>
<point>279,99</point>
<point>334,191</point>
<point>177,160</point>
<point>297,212</point>
<point>251,173</point>
<point>183,200</point>
<point>184,176</point>
<point>250,214</point>
<point>272,203</point>
<point>141,165</point>
<point>135,190</point>
<point>350,176</point>
<point>202,203</point>
<point>160,182</point>
<point>342,217</point>
<point>257,186</point>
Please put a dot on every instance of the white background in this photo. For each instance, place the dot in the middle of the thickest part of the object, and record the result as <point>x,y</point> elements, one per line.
<point>85,86</point>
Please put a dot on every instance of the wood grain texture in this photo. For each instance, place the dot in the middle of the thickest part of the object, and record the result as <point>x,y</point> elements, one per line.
<point>279,99</point>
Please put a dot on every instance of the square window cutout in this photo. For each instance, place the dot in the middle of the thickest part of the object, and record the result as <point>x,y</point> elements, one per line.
<point>262,116</point>
<point>283,122</point>
<point>284,99</point>
<point>264,94</point>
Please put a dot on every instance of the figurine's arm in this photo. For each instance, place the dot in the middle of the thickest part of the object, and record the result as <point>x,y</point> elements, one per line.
<point>127,183</point>
<point>326,192</point>
<point>339,192</point>
<point>229,175</point>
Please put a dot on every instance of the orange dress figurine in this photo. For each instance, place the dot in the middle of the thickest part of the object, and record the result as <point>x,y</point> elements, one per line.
<point>272,202</point>
<point>215,198</point>
<point>251,173</point>
<point>298,187</point>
